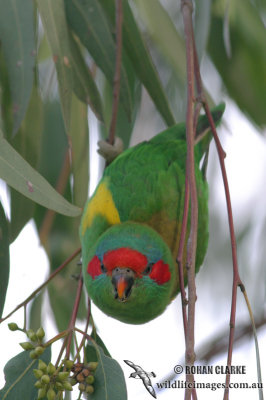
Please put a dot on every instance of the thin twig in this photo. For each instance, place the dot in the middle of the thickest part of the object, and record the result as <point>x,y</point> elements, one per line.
<point>86,328</point>
<point>187,9</point>
<point>216,345</point>
<point>116,87</point>
<point>179,258</point>
<point>36,291</point>
<point>236,278</point>
<point>74,315</point>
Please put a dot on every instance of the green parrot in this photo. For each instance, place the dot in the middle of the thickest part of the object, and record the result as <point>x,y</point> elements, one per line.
<point>131,225</point>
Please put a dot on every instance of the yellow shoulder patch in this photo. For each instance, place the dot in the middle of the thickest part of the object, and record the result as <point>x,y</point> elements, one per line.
<point>101,203</point>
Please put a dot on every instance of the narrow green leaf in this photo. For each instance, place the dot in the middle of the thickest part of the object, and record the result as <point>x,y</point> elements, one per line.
<point>243,74</point>
<point>19,376</point>
<point>79,137</point>
<point>27,143</point>
<point>202,25</point>
<point>140,57</point>
<point>167,38</point>
<point>124,127</point>
<point>109,378</point>
<point>4,258</point>
<point>54,22</point>
<point>5,97</point>
<point>87,19</point>
<point>22,177</point>
<point>17,39</point>
<point>83,83</point>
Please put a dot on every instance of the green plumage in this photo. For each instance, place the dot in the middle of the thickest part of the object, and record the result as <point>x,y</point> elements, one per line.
<point>147,186</point>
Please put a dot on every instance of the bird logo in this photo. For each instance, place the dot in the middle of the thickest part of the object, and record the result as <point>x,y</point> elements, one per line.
<point>143,375</point>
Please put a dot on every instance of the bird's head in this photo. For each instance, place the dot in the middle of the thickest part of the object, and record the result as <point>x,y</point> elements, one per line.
<point>130,273</point>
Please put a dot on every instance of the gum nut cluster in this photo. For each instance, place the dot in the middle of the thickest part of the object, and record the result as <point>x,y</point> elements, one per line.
<point>35,345</point>
<point>83,375</point>
<point>50,380</point>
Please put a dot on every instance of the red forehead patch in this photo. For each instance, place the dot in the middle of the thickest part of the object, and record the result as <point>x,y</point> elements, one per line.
<point>160,273</point>
<point>125,257</point>
<point>94,267</point>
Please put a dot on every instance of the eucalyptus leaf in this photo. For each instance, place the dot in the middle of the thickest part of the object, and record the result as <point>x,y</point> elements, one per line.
<point>167,39</point>
<point>243,73</point>
<point>109,378</point>
<point>19,376</point>
<point>83,83</point>
<point>91,353</point>
<point>140,58</point>
<point>4,258</point>
<point>79,137</point>
<point>21,176</point>
<point>28,144</point>
<point>87,19</point>
<point>17,38</point>
<point>54,22</point>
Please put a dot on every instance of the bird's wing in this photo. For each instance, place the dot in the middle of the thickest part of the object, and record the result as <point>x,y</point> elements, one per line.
<point>149,387</point>
<point>137,368</point>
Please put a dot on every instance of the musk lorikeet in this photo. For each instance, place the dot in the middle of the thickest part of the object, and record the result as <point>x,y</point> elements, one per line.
<point>131,225</point>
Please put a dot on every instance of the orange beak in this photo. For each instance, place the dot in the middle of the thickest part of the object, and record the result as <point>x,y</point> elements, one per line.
<point>121,287</point>
<point>122,280</point>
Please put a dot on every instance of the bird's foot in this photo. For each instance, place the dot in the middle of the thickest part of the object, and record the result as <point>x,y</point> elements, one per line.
<point>110,151</point>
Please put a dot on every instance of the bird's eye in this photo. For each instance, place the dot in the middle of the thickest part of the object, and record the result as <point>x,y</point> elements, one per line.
<point>103,269</point>
<point>148,269</point>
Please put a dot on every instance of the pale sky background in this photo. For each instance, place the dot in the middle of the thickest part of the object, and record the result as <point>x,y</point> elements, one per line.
<point>159,345</point>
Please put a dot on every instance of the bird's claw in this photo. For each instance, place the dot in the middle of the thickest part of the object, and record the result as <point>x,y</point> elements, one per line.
<point>110,151</point>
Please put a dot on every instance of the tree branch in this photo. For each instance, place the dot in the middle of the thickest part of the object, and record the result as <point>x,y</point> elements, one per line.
<point>187,8</point>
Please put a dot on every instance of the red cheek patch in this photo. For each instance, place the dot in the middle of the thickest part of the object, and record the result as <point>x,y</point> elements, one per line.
<point>160,273</point>
<point>94,267</point>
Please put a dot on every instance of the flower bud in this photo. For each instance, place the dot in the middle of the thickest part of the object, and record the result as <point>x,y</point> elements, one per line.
<point>67,386</point>
<point>59,385</point>
<point>51,369</point>
<point>62,376</point>
<point>13,326</point>
<point>39,350</point>
<point>92,365</point>
<point>42,366</point>
<point>41,393</point>
<point>38,384</point>
<point>33,354</point>
<point>38,373</point>
<point>69,364</point>
<point>51,395</point>
<point>26,345</point>
<point>72,381</point>
<point>45,379</point>
<point>89,389</point>
<point>90,379</point>
<point>82,387</point>
<point>40,333</point>
<point>31,335</point>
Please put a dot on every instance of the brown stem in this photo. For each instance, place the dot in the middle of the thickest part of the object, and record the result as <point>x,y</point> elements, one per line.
<point>74,315</point>
<point>236,278</point>
<point>187,9</point>
<point>86,328</point>
<point>36,291</point>
<point>116,87</point>
<point>180,255</point>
